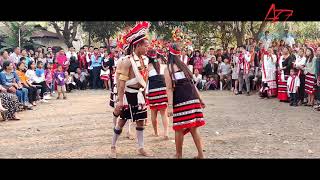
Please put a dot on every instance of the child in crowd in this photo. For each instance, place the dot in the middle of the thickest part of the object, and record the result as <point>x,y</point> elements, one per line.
<point>210,84</point>
<point>234,78</point>
<point>70,84</point>
<point>60,80</point>
<point>293,84</point>
<point>49,76</point>
<point>40,72</point>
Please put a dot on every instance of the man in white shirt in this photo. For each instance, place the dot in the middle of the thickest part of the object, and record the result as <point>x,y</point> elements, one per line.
<point>15,56</point>
<point>266,40</point>
<point>71,52</point>
<point>288,39</point>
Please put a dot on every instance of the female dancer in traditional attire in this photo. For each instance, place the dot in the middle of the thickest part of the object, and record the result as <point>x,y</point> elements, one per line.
<point>185,103</point>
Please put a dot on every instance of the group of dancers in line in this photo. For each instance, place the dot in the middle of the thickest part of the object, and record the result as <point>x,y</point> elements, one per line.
<point>149,77</point>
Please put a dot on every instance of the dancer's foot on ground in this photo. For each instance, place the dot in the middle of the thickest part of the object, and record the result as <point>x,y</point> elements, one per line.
<point>113,154</point>
<point>144,153</point>
<point>130,136</point>
<point>166,138</point>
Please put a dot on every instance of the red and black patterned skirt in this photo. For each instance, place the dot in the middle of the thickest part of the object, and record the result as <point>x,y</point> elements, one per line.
<point>310,83</point>
<point>187,110</point>
<point>282,88</point>
<point>157,94</point>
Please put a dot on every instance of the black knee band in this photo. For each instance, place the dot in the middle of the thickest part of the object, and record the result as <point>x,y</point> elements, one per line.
<point>117,131</point>
<point>115,115</point>
<point>139,128</point>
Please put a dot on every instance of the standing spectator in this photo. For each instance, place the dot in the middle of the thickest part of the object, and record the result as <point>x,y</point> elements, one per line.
<point>48,73</point>
<point>15,56</point>
<point>31,55</point>
<point>293,85</point>
<point>96,69</point>
<point>268,68</point>
<point>73,65</point>
<point>60,79</point>
<point>71,53</point>
<point>219,59</point>
<point>61,59</point>
<point>318,77</point>
<point>102,51</point>
<point>300,64</point>
<point>284,65</point>
<point>190,59</point>
<point>244,69</point>
<point>89,54</point>
<point>41,58</point>
<point>105,71</point>
<point>310,71</point>
<point>266,40</point>
<point>184,57</point>
<point>288,39</point>
<point>82,59</point>
<point>198,61</point>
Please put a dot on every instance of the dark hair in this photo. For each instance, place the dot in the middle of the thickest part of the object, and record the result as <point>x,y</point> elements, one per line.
<point>22,58</point>
<point>131,46</point>
<point>2,52</point>
<point>85,46</point>
<point>153,61</point>
<point>5,64</point>
<point>30,63</point>
<point>174,59</point>
<point>19,63</point>
<point>92,46</point>
<point>39,62</point>
<point>309,58</point>
<point>294,69</point>
<point>70,47</point>
<point>59,65</point>
<point>96,49</point>
<point>211,49</point>
<point>82,48</point>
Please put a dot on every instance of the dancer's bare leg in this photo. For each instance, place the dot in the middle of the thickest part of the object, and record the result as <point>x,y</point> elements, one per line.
<point>165,122</point>
<point>179,143</point>
<point>197,140</point>
<point>154,114</point>
<point>129,134</point>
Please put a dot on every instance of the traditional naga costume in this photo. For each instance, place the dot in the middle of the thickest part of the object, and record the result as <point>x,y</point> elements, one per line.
<point>156,91</point>
<point>134,105</point>
<point>187,108</point>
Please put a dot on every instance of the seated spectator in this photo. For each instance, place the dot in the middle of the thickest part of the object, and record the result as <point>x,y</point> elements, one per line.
<point>10,105</point>
<point>11,82</point>
<point>73,65</point>
<point>32,90</point>
<point>37,81</point>
<point>70,84</point>
<point>197,78</point>
<point>225,74</point>
<point>210,84</point>
<point>80,79</point>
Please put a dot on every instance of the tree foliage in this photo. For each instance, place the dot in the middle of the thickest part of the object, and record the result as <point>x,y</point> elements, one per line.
<point>11,38</point>
<point>66,30</point>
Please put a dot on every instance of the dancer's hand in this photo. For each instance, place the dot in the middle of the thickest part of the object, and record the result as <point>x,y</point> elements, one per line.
<point>203,105</point>
<point>119,106</point>
<point>170,110</point>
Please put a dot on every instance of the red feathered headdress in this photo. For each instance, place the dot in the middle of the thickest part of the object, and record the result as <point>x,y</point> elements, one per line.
<point>137,33</point>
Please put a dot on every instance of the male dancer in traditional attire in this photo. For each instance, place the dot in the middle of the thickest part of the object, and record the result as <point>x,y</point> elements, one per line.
<point>131,76</point>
